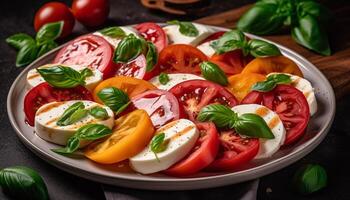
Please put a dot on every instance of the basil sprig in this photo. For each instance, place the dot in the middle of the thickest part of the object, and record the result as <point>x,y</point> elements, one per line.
<point>114,98</point>
<point>163,78</point>
<point>151,56</point>
<point>248,124</point>
<point>159,144</point>
<point>113,32</point>
<point>23,183</point>
<point>74,113</point>
<point>310,178</point>
<point>185,28</point>
<point>271,82</point>
<point>212,72</point>
<point>88,132</point>
<point>306,19</point>
<point>235,39</point>
<point>64,77</point>
<point>99,113</point>
<point>29,48</point>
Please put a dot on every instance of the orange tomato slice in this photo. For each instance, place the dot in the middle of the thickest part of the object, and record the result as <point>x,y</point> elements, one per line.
<point>131,134</point>
<point>240,84</point>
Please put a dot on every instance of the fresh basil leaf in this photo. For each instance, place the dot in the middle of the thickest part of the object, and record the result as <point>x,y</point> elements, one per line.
<point>315,9</point>
<point>86,72</point>
<point>310,178</point>
<point>113,32</point>
<point>122,108</point>
<point>23,183</point>
<point>46,47</point>
<point>72,145</point>
<point>18,41</point>
<point>114,98</point>
<point>163,78</point>
<point>99,113</point>
<point>212,72</point>
<point>76,116</point>
<point>93,132</point>
<point>185,28</point>
<point>271,82</point>
<point>61,76</point>
<point>159,144</point>
<point>230,41</point>
<point>27,54</point>
<point>50,31</point>
<point>151,56</point>
<point>64,119</point>
<point>280,78</point>
<point>260,48</point>
<point>222,116</point>
<point>253,125</point>
<point>129,48</point>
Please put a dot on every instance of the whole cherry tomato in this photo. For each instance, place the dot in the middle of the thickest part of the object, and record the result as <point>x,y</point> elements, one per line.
<point>91,12</point>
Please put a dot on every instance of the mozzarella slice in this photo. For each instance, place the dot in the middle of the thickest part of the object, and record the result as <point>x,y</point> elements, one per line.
<point>306,88</point>
<point>34,78</point>
<point>267,146</point>
<point>175,37</point>
<point>174,79</point>
<point>48,114</point>
<point>206,49</point>
<point>115,41</point>
<point>182,135</point>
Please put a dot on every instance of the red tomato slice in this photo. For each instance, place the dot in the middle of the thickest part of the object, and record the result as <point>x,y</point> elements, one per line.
<point>234,151</point>
<point>213,36</point>
<point>231,62</point>
<point>88,50</point>
<point>44,93</point>
<point>154,33</point>
<point>181,58</point>
<point>291,106</point>
<point>135,68</point>
<point>195,94</point>
<point>202,154</point>
<point>162,106</point>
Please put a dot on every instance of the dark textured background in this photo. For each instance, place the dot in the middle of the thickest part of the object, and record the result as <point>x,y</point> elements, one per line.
<point>17,15</point>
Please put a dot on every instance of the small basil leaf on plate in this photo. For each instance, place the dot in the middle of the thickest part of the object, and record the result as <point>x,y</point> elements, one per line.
<point>49,31</point>
<point>23,183</point>
<point>113,32</point>
<point>185,28</point>
<point>151,56</point>
<point>212,72</point>
<point>68,113</point>
<point>72,145</point>
<point>46,47</point>
<point>76,116</point>
<point>129,48</point>
<point>114,98</point>
<point>122,108</point>
<point>19,40</point>
<point>260,48</point>
<point>61,76</point>
<point>252,125</point>
<point>93,132</point>
<point>163,78</point>
<point>271,82</point>
<point>159,144</point>
<point>310,178</point>
<point>86,72</point>
<point>27,54</point>
<point>230,41</point>
<point>222,116</point>
<point>98,113</point>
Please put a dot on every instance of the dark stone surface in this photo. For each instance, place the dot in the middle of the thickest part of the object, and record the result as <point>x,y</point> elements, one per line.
<point>17,15</point>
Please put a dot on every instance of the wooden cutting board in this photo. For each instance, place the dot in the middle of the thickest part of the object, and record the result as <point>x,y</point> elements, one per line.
<point>335,67</point>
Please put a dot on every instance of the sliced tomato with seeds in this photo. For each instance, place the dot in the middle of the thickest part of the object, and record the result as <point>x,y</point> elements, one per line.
<point>44,93</point>
<point>291,106</point>
<point>154,33</point>
<point>195,94</point>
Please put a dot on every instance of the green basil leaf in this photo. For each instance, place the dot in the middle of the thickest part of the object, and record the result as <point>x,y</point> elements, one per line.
<point>46,47</point>
<point>310,178</point>
<point>230,41</point>
<point>260,48</point>
<point>151,56</point>
<point>280,78</point>
<point>310,34</point>
<point>93,132</point>
<point>61,76</point>
<point>129,48</point>
<point>86,72</point>
<point>321,13</point>
<point>76,116</point>
<point>185,28</point>
<point>114,98</point>
<point>99,113</point>
<point>222,116</point>
<point>122,108</point>
<point>163,78</point>
<point>212,72</point>
<point>23,183</point>
<point>50,31</point>
<point>63,120</point>
<point>27,54</point>
<point>18,41</point>
<point>113,32</point>
<point>159,144</point>
<point>72,145</point>
<point>253,125</point>
<point>271,82</point>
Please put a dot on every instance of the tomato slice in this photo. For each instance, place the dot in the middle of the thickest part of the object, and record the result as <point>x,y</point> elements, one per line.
<point>202,154</point>
<point>231,62</point>
<point>291,106</point>
<point>181,58</point>
<point>135,68</point>
<point>154,33</point>
<point>241,84</point>
<point>44,93</point>
<point>88,50</point>
<point>161,106</point>
<point>195,94</point>
<point>234,151</point>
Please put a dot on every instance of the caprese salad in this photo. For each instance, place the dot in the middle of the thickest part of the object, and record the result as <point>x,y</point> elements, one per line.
<point>176,99</point>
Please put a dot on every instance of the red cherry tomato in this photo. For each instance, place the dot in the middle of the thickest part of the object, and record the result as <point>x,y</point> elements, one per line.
<point>44,93</point>
<point>195,94</point>
<point>162,106</point>
<point>234,151</point>
<point>202,154</point>
<point>181,58</point>
<point>88,50</point>
<point>91,12</point>
<point>54,12</point>
<point>154,33</point>
<point>291,106</point>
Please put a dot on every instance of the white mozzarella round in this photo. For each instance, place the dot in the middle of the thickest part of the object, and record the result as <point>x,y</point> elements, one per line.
<point>48,114</point>
<point>206,49</point>
<point>174,79</point>
<point>267,146</point>
<point>306,88</point>
<point>176,37</point>
<point>115,41</point>
<point>182,135</point>
<point>34,78</point>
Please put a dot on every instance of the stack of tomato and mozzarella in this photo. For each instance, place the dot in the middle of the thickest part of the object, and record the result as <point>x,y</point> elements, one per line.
<point>167,100</point>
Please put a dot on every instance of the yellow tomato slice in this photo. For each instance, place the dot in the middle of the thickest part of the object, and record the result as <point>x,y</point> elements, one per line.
<point>132,86</point>
<point>240,84</point>
<point>131,134</point>
<point>268,65</point>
